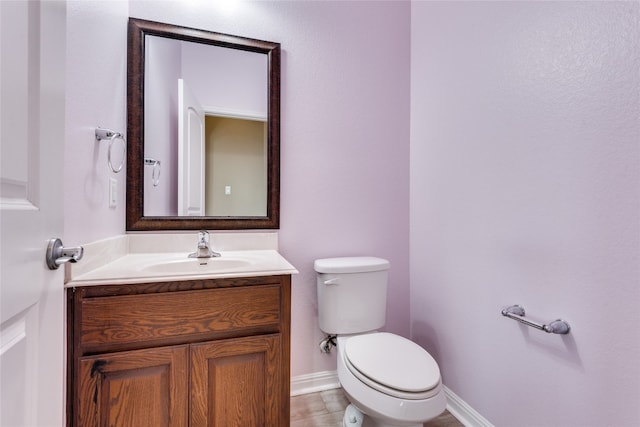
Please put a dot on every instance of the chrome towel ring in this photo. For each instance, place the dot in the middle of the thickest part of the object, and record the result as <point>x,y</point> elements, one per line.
<point>108,134</point>
<point>155,174</point>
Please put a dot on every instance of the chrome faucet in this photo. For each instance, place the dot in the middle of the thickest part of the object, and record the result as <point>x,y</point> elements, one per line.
<point>203,251</point>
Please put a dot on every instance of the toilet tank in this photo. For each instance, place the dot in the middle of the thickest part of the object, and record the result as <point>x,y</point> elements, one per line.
<point>352,294</point>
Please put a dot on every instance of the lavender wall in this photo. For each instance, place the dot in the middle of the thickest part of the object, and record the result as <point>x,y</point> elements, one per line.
<point>525,188</point>
<point>164,57</point>
<point>345,153</point>
<point>95,96</point>
<point>345,132</point>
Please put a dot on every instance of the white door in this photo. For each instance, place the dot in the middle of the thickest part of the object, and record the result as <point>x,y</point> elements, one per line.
<point>32,73</point>
<point>191,155</point>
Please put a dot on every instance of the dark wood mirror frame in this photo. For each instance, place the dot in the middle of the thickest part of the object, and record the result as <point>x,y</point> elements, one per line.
<point>136,221</point>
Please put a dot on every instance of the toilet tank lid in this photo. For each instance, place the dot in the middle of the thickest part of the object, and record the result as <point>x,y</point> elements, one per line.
<point>360,264</point>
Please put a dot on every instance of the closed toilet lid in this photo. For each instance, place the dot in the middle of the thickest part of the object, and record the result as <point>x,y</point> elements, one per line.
<point>393,362</point>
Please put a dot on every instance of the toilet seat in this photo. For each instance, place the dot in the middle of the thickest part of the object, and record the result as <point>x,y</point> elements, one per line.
<point>392,365</point>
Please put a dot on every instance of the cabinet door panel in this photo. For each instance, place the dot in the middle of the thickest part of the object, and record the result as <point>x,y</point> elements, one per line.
<point>134,388</point>
<point>237,383</point>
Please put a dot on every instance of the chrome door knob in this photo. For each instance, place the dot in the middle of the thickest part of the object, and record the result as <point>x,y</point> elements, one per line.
<point>57,254</point>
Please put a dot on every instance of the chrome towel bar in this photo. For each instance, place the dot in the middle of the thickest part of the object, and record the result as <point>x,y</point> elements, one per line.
<point>516,312</point>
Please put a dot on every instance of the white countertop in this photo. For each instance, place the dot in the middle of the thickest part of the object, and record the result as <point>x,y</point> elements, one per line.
<point>146,258</point>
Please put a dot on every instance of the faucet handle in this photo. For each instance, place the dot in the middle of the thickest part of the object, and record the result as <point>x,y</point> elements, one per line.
<point>203,238</point>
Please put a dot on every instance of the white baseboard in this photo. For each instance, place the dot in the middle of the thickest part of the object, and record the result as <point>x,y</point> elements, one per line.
<point>315,382</point>
<point>468,416</point>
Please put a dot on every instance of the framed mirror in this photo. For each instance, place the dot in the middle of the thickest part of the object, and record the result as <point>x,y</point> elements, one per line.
<point>203,130</point>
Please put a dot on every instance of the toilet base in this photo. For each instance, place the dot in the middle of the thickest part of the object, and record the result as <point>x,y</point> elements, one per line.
<point>353,417</point>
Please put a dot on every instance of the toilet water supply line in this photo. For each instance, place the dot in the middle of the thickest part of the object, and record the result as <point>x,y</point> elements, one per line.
<point>328,343</point>
<point>516,312</point>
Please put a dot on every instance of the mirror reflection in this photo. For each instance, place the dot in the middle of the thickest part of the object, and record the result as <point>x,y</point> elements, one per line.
<point>203,127</point>
<point>205,130</point>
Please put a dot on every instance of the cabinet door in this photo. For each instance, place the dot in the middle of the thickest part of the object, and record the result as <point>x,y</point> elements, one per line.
<point>238,383</point>
<point>134,388</point>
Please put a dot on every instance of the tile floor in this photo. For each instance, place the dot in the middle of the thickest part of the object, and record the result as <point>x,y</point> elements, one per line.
<point>326,408</point>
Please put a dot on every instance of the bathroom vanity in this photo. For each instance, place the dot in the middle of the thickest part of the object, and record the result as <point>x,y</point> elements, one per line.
<point>183,348</point>
<point>156,338</point>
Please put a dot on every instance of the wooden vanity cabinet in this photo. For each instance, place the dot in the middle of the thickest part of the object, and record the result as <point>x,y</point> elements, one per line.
<point>209,352</point>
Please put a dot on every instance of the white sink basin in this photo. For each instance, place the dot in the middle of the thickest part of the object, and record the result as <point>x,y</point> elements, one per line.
<point>198,266</point>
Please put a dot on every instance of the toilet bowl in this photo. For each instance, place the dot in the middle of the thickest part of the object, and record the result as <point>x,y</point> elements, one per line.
<point>390,379</point>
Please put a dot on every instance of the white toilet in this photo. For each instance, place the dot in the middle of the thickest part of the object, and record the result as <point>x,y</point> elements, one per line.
<point>389,380</point>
